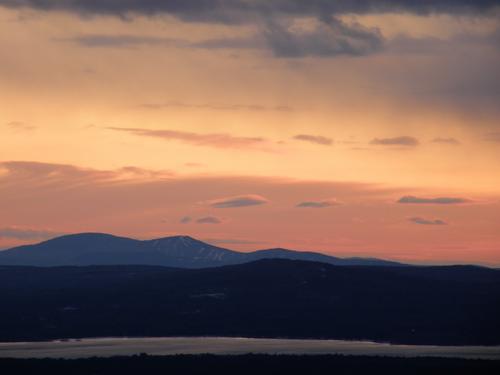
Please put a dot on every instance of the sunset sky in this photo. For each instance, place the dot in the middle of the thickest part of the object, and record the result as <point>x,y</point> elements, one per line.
<point>354,128</point>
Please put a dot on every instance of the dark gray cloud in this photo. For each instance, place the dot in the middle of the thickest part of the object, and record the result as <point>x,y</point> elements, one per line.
<point>209,220</point>
<point>318,139</point>
<point>396,141</point>
<point>238,201</point>
<point>212,140</point>
<point>450,141</point>
<point>19,233</point>
<point>329,38</point>
<point>410,199</point>
<point>231,11</point>
<point>318,204</point>
<point>332,37</point>
<point>422,221</point>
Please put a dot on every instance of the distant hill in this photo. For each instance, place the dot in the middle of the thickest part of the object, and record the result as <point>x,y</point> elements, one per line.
<point>177,251</point>
<point>452,305</point>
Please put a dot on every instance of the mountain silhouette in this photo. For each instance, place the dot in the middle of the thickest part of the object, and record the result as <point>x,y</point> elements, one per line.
<point>177,251</point>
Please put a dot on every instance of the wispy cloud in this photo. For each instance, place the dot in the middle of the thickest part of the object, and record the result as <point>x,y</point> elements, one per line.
<point>21,233</point>
<point>209,220</point>
<point>121,41</point>
<point>218,140</point>
<point>137,41</point>
<point>19,125</point>
<point>409,199</point>
<point>185,220</point>
<point>422,221</point>
<point>396,141</point>
<point>406,44</point>
<point>238,201</point>
<point>450,141</point>
<point>68,176</point>
<point>492,137</point>
<point>318,139</point>
<point>217,106</point>
<point>318,204</point>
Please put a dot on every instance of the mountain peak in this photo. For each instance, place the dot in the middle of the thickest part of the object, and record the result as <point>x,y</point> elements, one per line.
<point>177,241</point>
<point>180,238</point>
<point>80,239</point>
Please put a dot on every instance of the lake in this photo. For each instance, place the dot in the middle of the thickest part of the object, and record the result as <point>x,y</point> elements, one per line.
<point>106,347</point>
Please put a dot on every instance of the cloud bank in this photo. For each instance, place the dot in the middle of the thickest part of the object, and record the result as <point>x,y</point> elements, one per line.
<point>331,36</point>
<point>231,11</point>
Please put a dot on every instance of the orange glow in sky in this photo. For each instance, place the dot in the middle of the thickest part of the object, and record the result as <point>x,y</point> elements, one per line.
<point>359,132</point>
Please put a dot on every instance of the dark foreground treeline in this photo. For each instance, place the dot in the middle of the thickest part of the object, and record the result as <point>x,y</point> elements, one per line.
<point>272,298</point>
<point>249,364</point>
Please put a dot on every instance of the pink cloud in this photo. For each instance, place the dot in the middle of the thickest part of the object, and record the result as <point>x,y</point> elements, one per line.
<point>218,140</point>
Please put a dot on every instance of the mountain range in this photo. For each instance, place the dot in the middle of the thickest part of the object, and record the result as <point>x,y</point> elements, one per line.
<point>178,251</point>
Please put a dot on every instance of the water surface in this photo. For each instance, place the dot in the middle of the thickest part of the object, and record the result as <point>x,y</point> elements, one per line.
<point>106,347</point>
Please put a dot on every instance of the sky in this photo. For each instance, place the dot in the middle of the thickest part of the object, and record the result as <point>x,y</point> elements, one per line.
<point>367,128</point>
